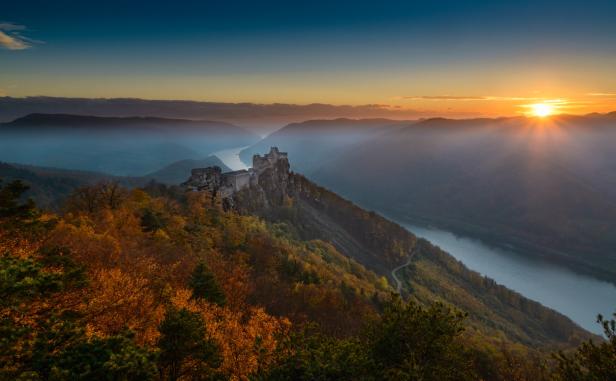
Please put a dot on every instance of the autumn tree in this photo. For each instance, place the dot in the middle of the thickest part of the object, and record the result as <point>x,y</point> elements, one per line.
<point>111,193</point>
<point>51,342</point>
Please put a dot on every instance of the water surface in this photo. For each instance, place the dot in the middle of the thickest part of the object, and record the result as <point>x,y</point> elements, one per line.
<point>576,296</point>
<point>231,158</point>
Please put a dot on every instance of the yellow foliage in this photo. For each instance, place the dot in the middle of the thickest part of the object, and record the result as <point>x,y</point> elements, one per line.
<point>88,247</point>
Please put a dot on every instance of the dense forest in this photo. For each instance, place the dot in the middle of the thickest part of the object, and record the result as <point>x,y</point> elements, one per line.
<point>155,283</point>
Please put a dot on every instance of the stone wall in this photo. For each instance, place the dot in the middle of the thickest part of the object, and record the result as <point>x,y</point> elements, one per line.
<point>264,169</point>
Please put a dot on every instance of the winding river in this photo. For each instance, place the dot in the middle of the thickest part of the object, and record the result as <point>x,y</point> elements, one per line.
<point>579,297</point>
<point>576,296</point>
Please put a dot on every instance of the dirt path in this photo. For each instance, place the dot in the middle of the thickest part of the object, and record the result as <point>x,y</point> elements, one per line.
<point>393,272</point>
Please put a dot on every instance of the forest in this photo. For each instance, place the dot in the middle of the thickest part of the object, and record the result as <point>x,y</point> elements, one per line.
<point>157,284</point>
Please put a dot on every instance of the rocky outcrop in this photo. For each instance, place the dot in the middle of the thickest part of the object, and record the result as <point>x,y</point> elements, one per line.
<point>264,184</point>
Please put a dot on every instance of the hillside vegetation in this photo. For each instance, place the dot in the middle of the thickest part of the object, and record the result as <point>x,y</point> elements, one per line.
<point>156,283</point>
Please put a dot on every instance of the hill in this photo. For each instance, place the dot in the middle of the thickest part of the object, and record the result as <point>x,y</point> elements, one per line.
<point>285,281</point>
<point>50,187</point>
<point>127,146</point>
<point>546,187</point>
<point>312,212</point>
<point>314,142</point>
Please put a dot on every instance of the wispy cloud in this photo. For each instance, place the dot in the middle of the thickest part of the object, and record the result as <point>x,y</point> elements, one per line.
<point>443,98</point>
<point>601,94</point>
<point>465,98</point>
<point>12,39</point>
<point>9,26</point>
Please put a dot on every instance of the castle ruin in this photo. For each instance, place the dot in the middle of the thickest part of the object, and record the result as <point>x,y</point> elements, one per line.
<point>227,184</point>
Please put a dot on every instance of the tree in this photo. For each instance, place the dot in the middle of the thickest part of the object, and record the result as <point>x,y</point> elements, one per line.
<point>411,342</point>
<point>112,194</point>
<point>19,220</point>
<point>152,221</point>
<point>308,355</point>
<point>51,342</point>
<point>184,347</point>
<point>591,362</point>
<point>111,358</point>
<point>204,285</point>
<point>9,202</point>
<point>86,198</point>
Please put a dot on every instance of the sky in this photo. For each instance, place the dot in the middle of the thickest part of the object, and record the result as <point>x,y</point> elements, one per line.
<point>443,57</point>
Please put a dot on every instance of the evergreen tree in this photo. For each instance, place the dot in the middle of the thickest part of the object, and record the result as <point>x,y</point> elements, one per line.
<point>152,221</point>
<point>204,285</point>
<point>591,362</point>
<point>411,342</point>
<point>184,347</point>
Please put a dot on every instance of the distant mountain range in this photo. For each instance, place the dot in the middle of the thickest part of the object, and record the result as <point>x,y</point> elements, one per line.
<point>126,146</point>
<point>547,187</point>
<point>259,118</point>
<point>151,124</point>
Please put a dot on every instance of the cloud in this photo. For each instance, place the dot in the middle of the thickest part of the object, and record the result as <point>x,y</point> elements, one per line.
<point>9,26</point>
<point>443,98</point>
<point>13,42</point>
<point>11,38</point>
<point>602,94</point>
<point>463,98</point>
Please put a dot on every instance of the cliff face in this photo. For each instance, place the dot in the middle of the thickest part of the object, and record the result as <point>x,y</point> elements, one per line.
<point>316,213</point>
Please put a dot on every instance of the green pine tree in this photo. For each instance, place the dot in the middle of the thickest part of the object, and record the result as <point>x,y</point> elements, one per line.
<point>204,286</point>
<point>184,347</point>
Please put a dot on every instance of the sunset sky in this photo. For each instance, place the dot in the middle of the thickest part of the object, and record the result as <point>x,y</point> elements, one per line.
<point>443,57</point>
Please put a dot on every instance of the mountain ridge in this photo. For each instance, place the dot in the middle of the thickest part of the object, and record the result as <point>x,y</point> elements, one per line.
<point>312,212</point>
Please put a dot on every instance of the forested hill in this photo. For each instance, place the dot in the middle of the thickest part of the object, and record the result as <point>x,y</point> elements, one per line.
<point>312,212</point>
<point>291,284</point>
<point>50,187</point>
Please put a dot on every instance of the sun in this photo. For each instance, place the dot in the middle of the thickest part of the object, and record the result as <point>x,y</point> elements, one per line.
<point>541,110</point>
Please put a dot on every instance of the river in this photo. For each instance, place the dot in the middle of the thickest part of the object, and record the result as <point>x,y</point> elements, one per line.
<point>231,158</point>
<point>576,296</point>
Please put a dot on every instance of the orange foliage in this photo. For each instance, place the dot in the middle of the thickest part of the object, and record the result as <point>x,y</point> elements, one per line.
<point>247,339</point>
<point>118,301</point>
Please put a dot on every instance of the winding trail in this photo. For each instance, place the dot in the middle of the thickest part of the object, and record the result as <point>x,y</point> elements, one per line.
<point>393,272</point>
